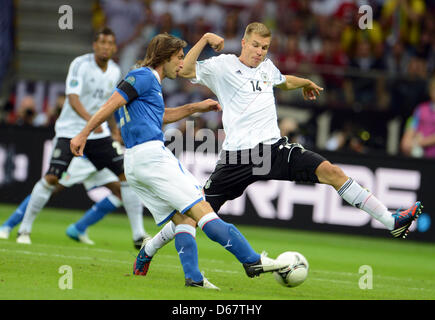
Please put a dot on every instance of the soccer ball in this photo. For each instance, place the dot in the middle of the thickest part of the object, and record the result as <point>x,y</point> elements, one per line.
<point>295,273</point>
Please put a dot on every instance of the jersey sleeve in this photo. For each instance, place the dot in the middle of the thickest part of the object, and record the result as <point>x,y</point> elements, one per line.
<point>207,71</point>
<point>277,77</point>
<point>75,77</point>
<point>135,84</point>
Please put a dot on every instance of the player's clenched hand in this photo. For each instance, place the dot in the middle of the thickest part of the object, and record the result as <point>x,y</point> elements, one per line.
<point>208,105</point>
<point>77,144</point>
<point>214,41</point>
<point>311,90</point>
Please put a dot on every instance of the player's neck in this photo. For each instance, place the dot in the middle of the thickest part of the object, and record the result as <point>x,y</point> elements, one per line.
<point>159,71</point>
<point>101,63</point>
<point>243,61</point>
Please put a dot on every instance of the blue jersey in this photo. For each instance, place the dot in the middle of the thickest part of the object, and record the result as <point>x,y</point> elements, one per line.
<point>141,119</point>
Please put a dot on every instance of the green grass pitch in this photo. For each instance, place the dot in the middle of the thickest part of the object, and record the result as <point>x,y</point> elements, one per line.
<point>401,269</point>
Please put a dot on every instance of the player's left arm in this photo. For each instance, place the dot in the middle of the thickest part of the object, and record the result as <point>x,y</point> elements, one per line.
<point>78,143</point>
<point>178,113</point>
<point>310,90</point>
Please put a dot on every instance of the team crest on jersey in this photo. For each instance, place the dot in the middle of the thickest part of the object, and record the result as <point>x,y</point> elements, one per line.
<point>264,77</point>
<point>131,80</point>
<point>73,83</point>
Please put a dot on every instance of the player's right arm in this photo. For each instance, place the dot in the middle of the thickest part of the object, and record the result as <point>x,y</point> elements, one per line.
<point>178,113</point>
<point>189,66</point>
<point>75,81</point>
<point>78,143</point>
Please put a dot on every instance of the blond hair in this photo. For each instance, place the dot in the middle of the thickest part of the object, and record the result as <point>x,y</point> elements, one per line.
<point>257,28</point>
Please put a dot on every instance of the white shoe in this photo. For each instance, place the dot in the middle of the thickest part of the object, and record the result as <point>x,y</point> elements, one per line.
<point>208,285</point>
<point>202,284</point>
<point>75,234</point>
<point>83,238</point>
<point>264,264</point>
<point>141,242</point>
<point>4,232</point>
<point>24,238</point>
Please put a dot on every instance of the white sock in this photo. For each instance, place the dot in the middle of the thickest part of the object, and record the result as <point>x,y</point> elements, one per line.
<point>133,207</point>
<point>207,218</point>
<point>114,200</point>
<point>39,197</point>
<point>160,239</point>
<point>363,199</point>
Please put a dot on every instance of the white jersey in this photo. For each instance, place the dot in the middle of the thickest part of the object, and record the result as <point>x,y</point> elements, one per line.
<point>247,99</point>
<point>93,86</point>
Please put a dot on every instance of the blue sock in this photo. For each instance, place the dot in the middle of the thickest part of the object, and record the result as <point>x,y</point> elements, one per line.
<point>228,236</point>
<point>18,214</point>
<point>95,214</point>
<point>187,251</point>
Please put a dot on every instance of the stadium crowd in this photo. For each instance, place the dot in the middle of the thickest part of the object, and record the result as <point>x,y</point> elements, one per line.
<point>384,69</point>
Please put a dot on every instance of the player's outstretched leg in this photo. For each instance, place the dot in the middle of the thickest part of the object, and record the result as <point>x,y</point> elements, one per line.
<point>363,199</point>
<point>231,239</point>
<point>14,219</point>
<point>228,236</point>
<point>404,218</point>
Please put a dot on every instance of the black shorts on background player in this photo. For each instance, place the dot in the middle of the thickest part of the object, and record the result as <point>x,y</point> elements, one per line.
<point>101,152</point>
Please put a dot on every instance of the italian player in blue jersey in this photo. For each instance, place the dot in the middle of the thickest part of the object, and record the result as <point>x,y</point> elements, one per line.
<point>164,185</point>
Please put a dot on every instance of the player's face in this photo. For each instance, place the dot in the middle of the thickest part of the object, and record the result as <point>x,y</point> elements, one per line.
<point>104,47</point>
<point>174,65</point>
<point>254,50</point>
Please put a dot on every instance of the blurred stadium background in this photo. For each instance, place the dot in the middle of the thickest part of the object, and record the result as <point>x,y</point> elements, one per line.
<point>374,79</point>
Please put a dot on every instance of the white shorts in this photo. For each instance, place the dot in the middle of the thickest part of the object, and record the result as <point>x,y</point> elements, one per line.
<point>81,170</point>
<point>162,183</point>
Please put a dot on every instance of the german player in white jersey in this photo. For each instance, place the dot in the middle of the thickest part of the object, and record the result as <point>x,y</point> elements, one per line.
<point>90,81</point>
<point>244,87</point>
<point>79,171</point>
<point>165,186</point>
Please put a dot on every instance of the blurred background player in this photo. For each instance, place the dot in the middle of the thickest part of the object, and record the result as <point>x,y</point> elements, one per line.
<point>81,170</point>
<point>419,137</point>
<point>91,79</point>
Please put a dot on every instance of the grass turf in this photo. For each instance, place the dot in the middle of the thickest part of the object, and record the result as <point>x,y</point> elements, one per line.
<point>401,269</point>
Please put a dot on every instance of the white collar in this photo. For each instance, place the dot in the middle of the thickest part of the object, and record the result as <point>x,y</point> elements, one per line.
<point>156,74</point>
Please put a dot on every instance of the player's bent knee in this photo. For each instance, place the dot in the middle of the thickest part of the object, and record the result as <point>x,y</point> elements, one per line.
<point>179,218</point>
